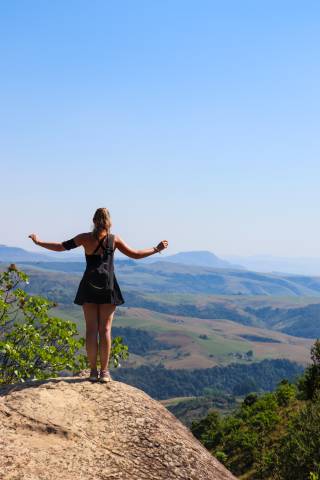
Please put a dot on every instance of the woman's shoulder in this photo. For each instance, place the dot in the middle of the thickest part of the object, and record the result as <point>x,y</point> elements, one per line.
<point>84,236</point>
<point>116,239</point>
<point>80,238</point>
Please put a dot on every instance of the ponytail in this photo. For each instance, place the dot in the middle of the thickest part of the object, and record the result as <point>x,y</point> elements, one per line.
<point>102,222</point>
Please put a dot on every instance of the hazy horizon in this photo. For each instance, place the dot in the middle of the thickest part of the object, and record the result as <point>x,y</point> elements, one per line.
<point>264,263</point>
<point>195,122</point>
<point>228,256</point>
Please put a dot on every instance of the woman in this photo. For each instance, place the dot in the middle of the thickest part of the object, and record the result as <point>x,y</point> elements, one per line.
<point>99,246</point>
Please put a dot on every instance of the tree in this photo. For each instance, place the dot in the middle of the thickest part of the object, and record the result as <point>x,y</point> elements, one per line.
<point>208,430</point>
<point>34,345</point>
<point>309,384</point>
<point>285,392</point>
<point>300,446</point>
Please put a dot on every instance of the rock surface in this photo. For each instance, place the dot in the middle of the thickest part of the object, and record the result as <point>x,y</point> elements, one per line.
<point>67,428</point>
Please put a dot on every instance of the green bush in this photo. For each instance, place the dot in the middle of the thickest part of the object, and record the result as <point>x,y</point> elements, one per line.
<point>243,440</point>
<point>221,456</point>
<point>285,392</point>
<point>299,453</point>
<point>313,476</point>
<point>208,430</point>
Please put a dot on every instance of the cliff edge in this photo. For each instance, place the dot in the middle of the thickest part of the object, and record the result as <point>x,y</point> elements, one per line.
<point>71,428</point>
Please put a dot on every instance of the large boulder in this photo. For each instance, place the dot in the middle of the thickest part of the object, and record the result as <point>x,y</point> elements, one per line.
<point>67,428</point>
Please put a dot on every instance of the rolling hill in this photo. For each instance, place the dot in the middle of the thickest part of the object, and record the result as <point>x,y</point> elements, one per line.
<point>202,258</point>
<point>207,328</point>
<point>170,277</point>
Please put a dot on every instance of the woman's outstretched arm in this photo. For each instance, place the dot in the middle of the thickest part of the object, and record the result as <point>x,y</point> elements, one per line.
<point>132,253</point>
<point>58,246</point>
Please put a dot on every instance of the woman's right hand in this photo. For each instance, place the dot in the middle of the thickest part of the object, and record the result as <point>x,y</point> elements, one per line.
<point>34,238</point>
<point>162,245</point>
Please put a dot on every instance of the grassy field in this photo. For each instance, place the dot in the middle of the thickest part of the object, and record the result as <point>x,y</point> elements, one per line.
<point>200,343</point>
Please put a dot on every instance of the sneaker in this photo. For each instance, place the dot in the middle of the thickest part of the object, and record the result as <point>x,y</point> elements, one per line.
<point>105,376</point>
<point>93,375</point>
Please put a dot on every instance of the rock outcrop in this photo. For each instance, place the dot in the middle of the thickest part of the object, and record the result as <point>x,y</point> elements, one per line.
<point>70,428</point>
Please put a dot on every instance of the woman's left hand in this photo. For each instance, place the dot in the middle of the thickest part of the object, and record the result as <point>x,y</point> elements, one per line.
<point>162,245</point>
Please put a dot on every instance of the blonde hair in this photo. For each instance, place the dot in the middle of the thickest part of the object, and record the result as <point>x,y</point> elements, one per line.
<point>102,221</point>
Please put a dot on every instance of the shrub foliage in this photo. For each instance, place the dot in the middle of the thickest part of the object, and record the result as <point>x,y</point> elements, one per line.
<point>272,436</point>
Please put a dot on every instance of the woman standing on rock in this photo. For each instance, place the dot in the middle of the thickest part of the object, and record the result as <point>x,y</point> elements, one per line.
<point>98,292</point>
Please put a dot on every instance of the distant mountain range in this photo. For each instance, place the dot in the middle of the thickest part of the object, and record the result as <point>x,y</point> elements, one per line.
<point>269,263</point>
<point>200,258</point>
<point>257,263</point>
<point>16,254</point>
<point>171,277</point>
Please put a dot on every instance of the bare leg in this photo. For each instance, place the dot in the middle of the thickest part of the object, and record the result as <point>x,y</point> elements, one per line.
<point>106,312</point>
<point>91,315</point>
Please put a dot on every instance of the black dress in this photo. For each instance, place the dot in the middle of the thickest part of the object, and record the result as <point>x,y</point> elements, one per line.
<point>84,295</point>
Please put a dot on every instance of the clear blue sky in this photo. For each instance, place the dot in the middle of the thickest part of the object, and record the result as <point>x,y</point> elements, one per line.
<point>192,121</point>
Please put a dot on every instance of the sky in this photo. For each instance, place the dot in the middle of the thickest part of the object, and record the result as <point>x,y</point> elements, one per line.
<point>191,121</point>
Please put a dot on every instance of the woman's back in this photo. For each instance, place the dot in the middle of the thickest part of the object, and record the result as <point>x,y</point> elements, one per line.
<point>102,254</point>
<point>91,242</point>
